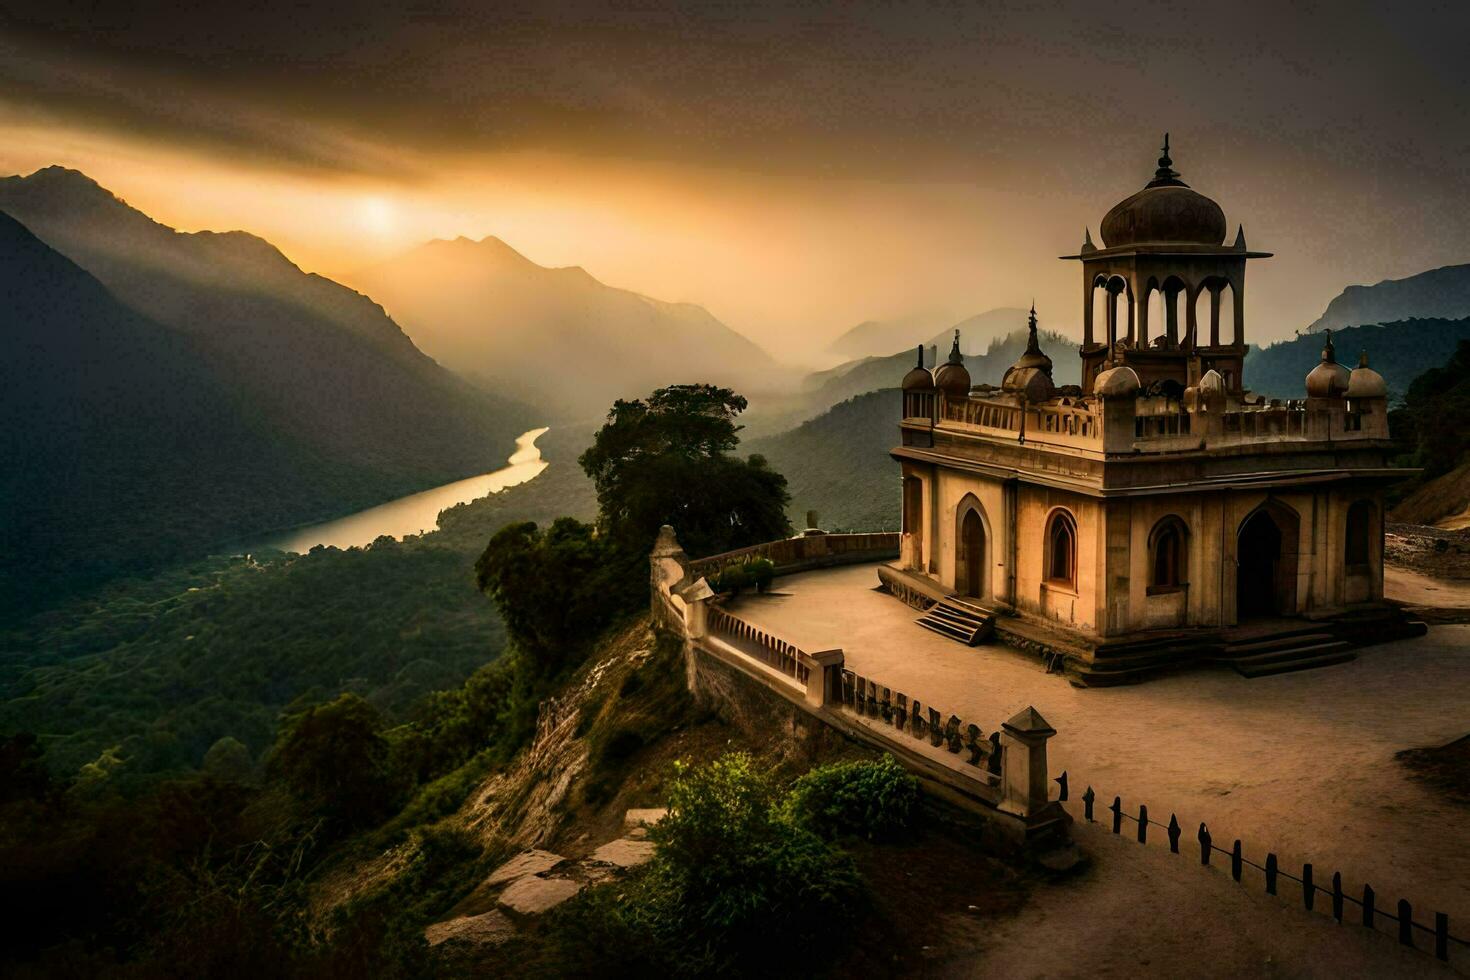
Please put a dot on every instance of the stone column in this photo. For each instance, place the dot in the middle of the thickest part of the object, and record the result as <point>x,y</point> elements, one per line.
<point>1237,303</point>
<point>1087,291</point>
<point>824,678</point>
<point>1191,324</point>
<point>1214,289</point>
<point>1024,778</point>
<point>1143,318</point>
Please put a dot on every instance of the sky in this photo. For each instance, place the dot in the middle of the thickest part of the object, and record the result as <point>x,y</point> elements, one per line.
<point>794,168</point>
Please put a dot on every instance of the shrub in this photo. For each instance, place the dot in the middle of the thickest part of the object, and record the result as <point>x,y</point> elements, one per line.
<point>874,800</point>
<point>761,572</point>
<point>729,868</point>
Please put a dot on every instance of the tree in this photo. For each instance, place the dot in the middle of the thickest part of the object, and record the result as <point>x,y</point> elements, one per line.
<point>336,763</point>
<point>667,461</point>
<point>558,589</point>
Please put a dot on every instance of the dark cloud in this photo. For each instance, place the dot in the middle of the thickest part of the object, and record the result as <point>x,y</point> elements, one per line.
<point>932,90</point>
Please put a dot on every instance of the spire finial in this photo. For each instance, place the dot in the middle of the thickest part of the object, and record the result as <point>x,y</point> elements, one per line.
<point>921,356</point>
<point>1329,353</point>
<point>955,357</point>
<point>1362,358</point>
<point>1032,346</point>
<point>1166,175</point>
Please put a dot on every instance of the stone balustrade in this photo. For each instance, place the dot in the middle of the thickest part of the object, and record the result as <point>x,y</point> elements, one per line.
<point>807,551</point>
<point>1003,774</point>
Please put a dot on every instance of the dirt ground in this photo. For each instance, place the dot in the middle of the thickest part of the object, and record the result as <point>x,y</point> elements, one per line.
<point>1438,552</point>
<point>1303,765</point>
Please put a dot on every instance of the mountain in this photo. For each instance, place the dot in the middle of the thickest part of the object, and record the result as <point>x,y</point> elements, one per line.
<point>838,465</point>
<point>341,409</point>
<point>1438,293</point>
<point>545,334</point>
<point>879,337</point>
<point>824,389</point>
<point>1399,351</point>
<point>120,442</point>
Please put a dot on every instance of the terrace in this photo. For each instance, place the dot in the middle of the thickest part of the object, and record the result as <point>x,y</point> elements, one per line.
<point>1302,764</point>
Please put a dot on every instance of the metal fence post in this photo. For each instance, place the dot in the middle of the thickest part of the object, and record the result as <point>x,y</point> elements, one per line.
<point>1204,844</point>
<point>1337,895</point>
<point>1117,809</point>
<point>1368,906</point>
<point>1406,922</point>
<point>1270,874</point>
<point>1087,799</point>
<point>1235,860</point>
<point>1442,935</point>
<point>1142,824</point>
<point>1061,782</point>
<point>1309,890</point>
<point>1174,831</point>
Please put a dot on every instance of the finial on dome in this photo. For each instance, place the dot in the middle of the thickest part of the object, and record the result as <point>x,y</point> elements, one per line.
<point>1166,175</point>
<point>1087,245</point>
<point>1329,353</point>
<point>921,356</point>
<point>1032,347</point>
<point>1362,358</point>
<point>955,357</point>
<point>1240,238</point>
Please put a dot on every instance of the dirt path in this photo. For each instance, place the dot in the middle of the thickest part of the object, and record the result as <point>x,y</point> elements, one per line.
<point>1418,589</point>
<point>1298,764</point>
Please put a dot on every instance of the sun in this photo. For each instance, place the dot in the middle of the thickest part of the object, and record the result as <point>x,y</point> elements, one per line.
<point>377,215</point>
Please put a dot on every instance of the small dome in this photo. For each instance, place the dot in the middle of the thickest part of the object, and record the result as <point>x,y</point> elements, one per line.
<point>1031,374</point>
<point>919,377</point>
<point>1166,211</point>
<point>1364,382</point>
<point>952,378</point>
<point>1328,379</point>
<point>1118,382</point>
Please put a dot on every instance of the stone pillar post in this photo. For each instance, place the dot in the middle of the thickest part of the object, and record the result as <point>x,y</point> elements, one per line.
<point>824,678</point>
<point>1024,778</point>
<point>1237,305</point>
<point>1143,319</point>
<point>1191,324</point>
<point>1087,291</point>
<point>696,609</point>
<point>1214,314</point>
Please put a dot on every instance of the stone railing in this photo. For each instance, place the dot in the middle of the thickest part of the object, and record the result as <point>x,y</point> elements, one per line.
<point>808,551</point>
<point>1003,774</point>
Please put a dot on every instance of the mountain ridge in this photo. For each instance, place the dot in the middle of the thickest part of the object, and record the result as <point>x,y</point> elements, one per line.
<point>1443,293</point>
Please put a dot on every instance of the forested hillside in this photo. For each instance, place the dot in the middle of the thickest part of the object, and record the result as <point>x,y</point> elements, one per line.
<point>334,408</point>
<point>1439,293</point>
<point>1400,351</point>
<point>838,464</point>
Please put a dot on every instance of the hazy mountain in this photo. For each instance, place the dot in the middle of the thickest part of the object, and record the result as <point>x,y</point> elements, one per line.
<point>120,444</point>
<point>1399,351</point>
<point>555,337</point>
<point>1441,292</point>
<point>838,464</point>
<point>876,338</point>
<point>322,366</point>
<point>824,389</point>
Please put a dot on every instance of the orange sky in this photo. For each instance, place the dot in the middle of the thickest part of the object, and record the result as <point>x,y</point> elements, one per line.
<point>795,173</point>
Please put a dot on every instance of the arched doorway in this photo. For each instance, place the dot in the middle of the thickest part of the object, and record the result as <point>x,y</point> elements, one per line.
<point>1265,554</point>
<point>970,561</point>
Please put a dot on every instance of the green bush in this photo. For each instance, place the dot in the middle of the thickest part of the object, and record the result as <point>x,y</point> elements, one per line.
<point>729,868</point>
<point>875,800</point>
<point>761,572</point>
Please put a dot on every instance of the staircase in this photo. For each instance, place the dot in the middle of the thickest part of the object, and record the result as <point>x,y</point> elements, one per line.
<point>959,620</point>
<point>1300,649</point>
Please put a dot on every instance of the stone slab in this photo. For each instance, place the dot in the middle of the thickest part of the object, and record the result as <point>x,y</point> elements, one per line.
<point>625,852</point>
<point>645,817</point>
<point>533,896</point>
<point>525,863</point>
<point>492,928</point>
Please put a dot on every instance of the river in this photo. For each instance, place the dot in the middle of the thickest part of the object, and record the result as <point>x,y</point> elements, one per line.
<point>416,513</point>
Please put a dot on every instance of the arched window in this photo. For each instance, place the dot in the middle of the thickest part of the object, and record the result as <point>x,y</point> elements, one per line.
<point>1168,555</point>
<point>1061,549</point>
<point>1360,519</point>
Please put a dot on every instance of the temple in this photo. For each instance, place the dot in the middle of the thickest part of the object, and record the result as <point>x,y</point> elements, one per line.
<point>1159,509</point>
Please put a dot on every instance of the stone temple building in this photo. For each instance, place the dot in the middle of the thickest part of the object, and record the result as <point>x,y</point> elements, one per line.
<point>1159,513</point>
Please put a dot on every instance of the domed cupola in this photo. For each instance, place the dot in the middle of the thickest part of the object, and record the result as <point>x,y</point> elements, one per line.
<point>1031,374</point>
<point>1364,382</point>
<point>1166,211</point>
<point>1328,379</point>
<point>919,377</point>
<point>952,378</point>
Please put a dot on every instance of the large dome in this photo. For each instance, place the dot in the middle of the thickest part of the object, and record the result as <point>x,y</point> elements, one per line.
<point>1167,211</point>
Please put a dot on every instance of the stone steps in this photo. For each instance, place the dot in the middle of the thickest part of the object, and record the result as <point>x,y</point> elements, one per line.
<point>958,620</point>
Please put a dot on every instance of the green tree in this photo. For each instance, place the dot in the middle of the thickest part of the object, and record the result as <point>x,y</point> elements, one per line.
<point>1434,422</point>
<point>667,460</point>
<point>335,761</point>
